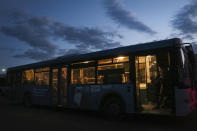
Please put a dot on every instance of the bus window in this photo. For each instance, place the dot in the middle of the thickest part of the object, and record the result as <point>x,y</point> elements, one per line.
<point>75,76</point>
<point>182,57</point>
<point>45,69</point>
<point>83,75</point>
<point>105,61</point>
<point>42,76</point>
<point>113,73</point>
<point>28,77</point>
<point>185,69</point>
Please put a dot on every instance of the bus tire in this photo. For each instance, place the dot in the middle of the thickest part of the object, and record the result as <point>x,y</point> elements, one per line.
<point>27,100</point>
<point>113,107</point>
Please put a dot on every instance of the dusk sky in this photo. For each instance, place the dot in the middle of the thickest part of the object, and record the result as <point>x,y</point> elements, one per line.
<point>36,30</point>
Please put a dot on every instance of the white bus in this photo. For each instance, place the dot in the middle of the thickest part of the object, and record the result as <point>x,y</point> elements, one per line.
<point>149,78</point>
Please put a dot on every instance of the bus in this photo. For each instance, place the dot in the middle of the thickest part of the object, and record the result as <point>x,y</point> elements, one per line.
<point>149,78</point>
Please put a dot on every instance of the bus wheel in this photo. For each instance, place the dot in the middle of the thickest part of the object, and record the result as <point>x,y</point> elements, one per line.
<point>113,108</point>
<point>27,100</point>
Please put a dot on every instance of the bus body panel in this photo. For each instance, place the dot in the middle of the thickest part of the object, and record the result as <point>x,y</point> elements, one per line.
<point>90,96</point>
<point>40,94</point>
<point>182,102</point>
<point>185,101</point>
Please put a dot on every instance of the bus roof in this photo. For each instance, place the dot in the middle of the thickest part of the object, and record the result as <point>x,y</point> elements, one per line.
<point>104,53</point>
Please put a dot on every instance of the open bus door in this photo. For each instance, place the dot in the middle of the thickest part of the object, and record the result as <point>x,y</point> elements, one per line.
<point>154,93</point>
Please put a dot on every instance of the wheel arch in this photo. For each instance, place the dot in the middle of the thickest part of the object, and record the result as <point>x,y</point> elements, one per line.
<point>111,95</point>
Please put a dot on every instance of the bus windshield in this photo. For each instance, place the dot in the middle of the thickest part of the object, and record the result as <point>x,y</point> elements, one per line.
<point>186,67</point>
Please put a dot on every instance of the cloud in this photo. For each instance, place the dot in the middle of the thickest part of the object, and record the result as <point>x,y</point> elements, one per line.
<point>40,33</point>
<point>119,14</point>
<point>35,55</point>
<point>34,31</point>
<point>85,38</point>
<point>185,21</point>
<point>10,49</point>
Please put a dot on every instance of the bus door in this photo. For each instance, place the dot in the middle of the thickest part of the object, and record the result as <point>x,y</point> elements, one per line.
<point>59,86</point>
<point>152,95</point>
<point>55,79</point>
<point>63,87</point>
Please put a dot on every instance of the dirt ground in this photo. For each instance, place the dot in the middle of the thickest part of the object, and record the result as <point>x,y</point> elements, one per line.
<point>17,118</point>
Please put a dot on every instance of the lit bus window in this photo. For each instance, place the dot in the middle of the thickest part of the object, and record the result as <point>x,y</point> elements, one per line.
<point>75,76</point>
<point>105,61</point>
<point>42,76</point>
<point>42,69</point>
<point>28,77</point>
<point>89,75</point>
<point>146,70</point>
<point>120,59</point>
<point>83,75</point>
<point>113,73</point>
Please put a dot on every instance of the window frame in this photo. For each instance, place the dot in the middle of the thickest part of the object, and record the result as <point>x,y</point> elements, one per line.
<point>129,62</point>
<point>80,67</point>
<point>22,79</point>
<point>41,71</point>
<point>95,63</point>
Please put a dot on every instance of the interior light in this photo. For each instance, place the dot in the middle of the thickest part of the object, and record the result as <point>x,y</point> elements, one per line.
<point>86,62</point>
<point>120,57</point>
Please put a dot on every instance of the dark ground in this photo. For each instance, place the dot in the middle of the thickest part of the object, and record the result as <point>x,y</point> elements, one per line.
<point>19,118</point>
